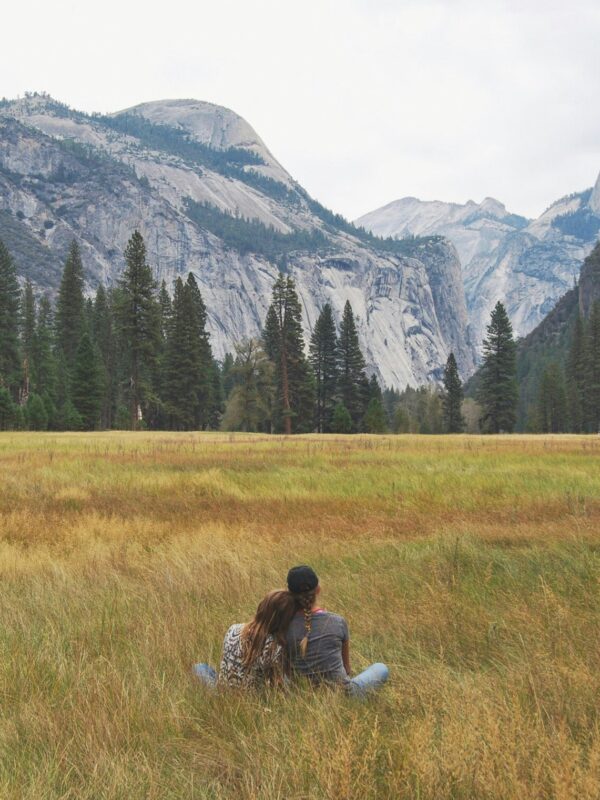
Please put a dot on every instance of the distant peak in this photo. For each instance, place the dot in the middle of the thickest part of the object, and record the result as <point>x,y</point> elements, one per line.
<point>595,198</point>
<point>492,206</point>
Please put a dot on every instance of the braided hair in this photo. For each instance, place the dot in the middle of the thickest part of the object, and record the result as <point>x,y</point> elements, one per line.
<point>305,601</point>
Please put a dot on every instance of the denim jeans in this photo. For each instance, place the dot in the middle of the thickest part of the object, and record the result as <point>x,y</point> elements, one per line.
<point>371,678</point>
<point>206,673</point>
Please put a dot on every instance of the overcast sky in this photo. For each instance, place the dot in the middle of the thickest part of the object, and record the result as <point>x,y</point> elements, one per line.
<point>363,101</point>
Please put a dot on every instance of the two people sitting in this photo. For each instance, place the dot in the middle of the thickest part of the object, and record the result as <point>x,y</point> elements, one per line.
<point>291,634</point>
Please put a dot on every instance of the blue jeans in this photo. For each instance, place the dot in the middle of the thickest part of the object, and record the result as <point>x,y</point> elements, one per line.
<point>371,678</point>
<point>206,673</point>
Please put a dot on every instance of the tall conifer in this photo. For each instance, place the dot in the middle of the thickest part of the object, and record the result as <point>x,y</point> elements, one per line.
<point>323,360</point>
<point>70,307</point>
<point>452,398</point>
<point>284,344</point>
<point>87,383</point>
<point>139,321</point>
<point>498,389</point>
<point>592,371</point>
<point>576,376</point>
<point>352,378</point>
<point>10,357</point>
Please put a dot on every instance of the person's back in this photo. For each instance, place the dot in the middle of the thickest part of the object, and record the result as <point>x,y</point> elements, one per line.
<point>322,660</point>
<point>318,642</point>
<point>235,673</point>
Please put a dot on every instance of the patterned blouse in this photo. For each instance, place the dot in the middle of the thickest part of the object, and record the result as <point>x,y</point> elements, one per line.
<point>234,674</point>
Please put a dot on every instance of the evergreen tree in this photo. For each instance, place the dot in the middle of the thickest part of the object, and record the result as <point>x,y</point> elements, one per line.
<point>592,371</point>
<point>139,327</point>
<point>166,310</point>
<point>375,420</point>
<point>28,335</point>
<point>69,419</point>
<point>284,344</point>
<point>206,404</point>
<point>352,378</point>
<point>323,360</point>
<point>10,357</point>
<point>452,398</point>
<point>105,340</point>
<point>250,403</point>
<point>576,376</point>
<point>189,370</point>
<point>342,421</point>
<point>45,378</point>
<point>87,383</point>
<point>227,376</point>
<point>401,420</point>
<point>498,387</point>
<point>8,411</point>
<point>37,416</point>
<point>552,401</point>
<point>70,315</point>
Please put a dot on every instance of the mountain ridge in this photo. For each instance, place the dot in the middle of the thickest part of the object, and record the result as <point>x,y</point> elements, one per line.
<point>65,174</point>
<point>526,263</point>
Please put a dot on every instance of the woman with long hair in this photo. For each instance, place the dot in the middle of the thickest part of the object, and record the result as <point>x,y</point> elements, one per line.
<point>318,641</point>
<point>255,653</point>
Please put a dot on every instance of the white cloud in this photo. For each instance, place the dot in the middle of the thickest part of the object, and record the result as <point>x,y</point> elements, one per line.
<point>363,101</point>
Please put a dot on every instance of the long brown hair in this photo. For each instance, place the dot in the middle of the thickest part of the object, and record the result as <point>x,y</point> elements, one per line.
<point>273,617</point>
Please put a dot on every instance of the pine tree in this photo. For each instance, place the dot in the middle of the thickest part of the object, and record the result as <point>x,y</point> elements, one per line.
<point>323,360</point>
<point>204,363</point>
<point>576,376</point>
<point>592,371</point>
<point>166,311</point>
<point>37,416</point>
<point>498,388</point>
<point>190,377</point>
<point>87,383</point>
<point>452,398</point>
<point>352,379</point>
<point>342,421</point>
<point>10,357</point>
<point>104,338</point>
<point>250,403</point>
<point>227,376</point>
<point>70,313</point>
<point>552,401</point>
<point>28,336</point>
<point>375,420</point>
<point>284,344</point>
<point>8,411</point>
<point>45,378</point>
<point>139,327</point>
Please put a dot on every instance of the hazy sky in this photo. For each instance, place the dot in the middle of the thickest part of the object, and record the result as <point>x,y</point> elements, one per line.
<point>363,101</point>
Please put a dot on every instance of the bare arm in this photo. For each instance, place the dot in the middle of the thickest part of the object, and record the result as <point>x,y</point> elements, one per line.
<point>346,656</point>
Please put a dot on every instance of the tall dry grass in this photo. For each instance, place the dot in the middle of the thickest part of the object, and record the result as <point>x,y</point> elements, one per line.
<point>469,565</point>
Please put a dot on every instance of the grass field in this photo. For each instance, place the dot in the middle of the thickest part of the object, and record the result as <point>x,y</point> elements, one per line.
<point>469,565</point>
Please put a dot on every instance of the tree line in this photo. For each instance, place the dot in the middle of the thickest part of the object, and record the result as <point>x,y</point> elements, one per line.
<point>138,356</point>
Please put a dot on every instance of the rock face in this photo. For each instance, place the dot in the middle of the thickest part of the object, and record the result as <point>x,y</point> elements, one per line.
<point>66,175</point>
<point>528,264</point>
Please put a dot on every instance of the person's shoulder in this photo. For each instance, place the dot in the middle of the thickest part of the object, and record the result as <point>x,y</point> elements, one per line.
<point>234,630</point>
<point>332,617</point>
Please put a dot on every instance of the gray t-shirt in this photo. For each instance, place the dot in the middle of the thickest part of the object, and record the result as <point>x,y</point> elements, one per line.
<point>323,660</point>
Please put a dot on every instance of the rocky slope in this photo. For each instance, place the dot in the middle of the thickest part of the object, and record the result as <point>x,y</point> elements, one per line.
<point>528,264</point>
<point>209,197</point>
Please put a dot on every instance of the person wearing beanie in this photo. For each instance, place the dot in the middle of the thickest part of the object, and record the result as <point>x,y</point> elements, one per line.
<point>318,641</point>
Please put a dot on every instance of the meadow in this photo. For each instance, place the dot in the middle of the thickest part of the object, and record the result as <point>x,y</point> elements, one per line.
<point>469,565</point>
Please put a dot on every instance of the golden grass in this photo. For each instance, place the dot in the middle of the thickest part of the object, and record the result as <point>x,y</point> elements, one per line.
<point>470,565</point>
